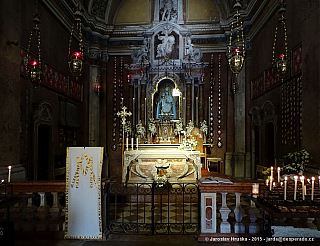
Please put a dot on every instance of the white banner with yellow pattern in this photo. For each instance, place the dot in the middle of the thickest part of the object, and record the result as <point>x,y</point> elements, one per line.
<point>83,193</point>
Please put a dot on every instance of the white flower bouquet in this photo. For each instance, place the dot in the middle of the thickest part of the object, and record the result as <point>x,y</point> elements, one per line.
<point>204,127</point>
<point>179,128</point>
<point>189,128</point>
<point>140,130</point>
<point>295,162</point>
<point>152,127</point>
<point>127,128</point>
<point>189,144</point>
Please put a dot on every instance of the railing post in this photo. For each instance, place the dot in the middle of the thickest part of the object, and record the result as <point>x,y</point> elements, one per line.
<point>225,226</point>
<point>208,213</point>
<point>55,212</point>
<point>253,212</point>
<point>238,213</point>
<point>16,215</point>
<point>29,215</point>
<point>42,213</point>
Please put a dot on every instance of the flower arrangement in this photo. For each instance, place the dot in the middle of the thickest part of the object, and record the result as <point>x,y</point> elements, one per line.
<point>179,128</point>
<point>127,128</point>
<point>152,127</point>
<point>266,173</point>
<point>294,162</point>
<point>140,130</point>
<point>189,144</point>
<point>204,127</point>
<point>189,128</point>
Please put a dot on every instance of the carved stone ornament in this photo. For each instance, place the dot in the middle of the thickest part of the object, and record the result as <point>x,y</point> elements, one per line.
<point>169,10</point>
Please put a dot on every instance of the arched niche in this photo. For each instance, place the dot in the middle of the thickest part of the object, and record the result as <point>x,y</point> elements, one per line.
<point>159,89</point>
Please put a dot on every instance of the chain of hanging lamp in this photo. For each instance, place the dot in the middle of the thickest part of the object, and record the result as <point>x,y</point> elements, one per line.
<point>34,68</point>
<point>281,62</point>
<point>236,45</point>
<point>76,58</point>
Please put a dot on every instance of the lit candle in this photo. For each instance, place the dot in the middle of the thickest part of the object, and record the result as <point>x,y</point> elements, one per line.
<point>295,187</point>
<point>312,188</point>
<point>9,176</point>
<point>131,143</point>
<point>285,188</point>
<point>319,182</point>
<point>278,174</point>
<point>281,183</point>
<point>127,144</point>
<point>2,181</point>
<point>274,184</point>
<point>267,182</point>
<point>137,143</point>
<point>197,110</point>
<point>209,112</point>
<point>302,186</point>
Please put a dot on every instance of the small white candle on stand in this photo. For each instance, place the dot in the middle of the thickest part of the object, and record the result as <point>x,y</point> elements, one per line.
<point>302,186</point>
<point>278,174</point>
<point>271,178</point>
<point>9,176</point>
<point>295,187</point>
<point>134,110</point>
<point>319,181</point>
<point>145,111</point>
<point>2,181</point>
<point>312,188</point>
<point>137,143</point>
<point>285,188</point>
<point>267,182</point>
<point>131,143</point>
<point>127,143</point>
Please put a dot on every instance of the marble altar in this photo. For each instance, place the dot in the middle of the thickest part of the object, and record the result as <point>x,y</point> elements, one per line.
<point>182,166</point>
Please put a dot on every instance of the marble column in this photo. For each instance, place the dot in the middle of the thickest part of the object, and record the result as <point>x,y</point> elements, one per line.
<point>188,102</point>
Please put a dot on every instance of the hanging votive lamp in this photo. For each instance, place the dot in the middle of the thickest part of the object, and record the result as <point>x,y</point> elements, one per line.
<point>236,45</point>
<point>76,58</point>
<point>33,67</point>
<point>281,62</point>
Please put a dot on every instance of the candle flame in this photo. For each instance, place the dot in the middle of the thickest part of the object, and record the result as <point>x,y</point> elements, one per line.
<point>296,177</point>
<point>285,178</point>
<point>9,167</point>
<point>313,178</point>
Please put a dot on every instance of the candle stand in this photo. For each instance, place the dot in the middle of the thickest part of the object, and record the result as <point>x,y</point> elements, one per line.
<point>278,211</point>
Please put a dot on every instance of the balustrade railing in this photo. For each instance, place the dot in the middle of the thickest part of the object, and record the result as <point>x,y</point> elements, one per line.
<point>227,212</point>
<point>36,206</point>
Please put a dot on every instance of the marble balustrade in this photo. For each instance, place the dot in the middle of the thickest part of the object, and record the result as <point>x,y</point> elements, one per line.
<point>223,217</point>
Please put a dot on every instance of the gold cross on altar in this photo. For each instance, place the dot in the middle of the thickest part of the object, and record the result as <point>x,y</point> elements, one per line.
<point>123,114</point>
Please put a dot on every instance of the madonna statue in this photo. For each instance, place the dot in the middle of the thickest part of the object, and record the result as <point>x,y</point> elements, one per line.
<point>166,105</point>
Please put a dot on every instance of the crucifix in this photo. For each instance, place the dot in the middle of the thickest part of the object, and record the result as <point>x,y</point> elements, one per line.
<point>123,114</point>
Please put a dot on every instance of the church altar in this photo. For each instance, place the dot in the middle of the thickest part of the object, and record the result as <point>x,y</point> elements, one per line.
<point>179,165</point>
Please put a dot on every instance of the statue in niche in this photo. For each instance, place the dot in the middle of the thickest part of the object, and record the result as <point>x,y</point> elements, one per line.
<point>168,41</point>
<point>142,54</point>
<point>169,10</point>
<point>166,106</point>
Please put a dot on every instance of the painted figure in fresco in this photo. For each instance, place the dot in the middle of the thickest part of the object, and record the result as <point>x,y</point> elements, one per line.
<point>166,105</point>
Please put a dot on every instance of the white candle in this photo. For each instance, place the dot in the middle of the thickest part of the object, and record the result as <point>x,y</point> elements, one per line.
<point>2,181</point>
<point>271,178</point>
<point>197,110</point>
<point>278,174</point>
<point>302,186</point>
<point>285,188</point>
<point>319,182</point>
<point>267,182</point>
<point>312,188</point>
<point>131,143</point>
<point>137,143</point>
<point>145,111</point>
<point>295,187</point>
<point>9,176</point>
<point>127,144</point>
<point>134,110</point>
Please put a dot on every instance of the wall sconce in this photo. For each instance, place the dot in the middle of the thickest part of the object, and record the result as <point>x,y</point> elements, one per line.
<point>76,58</point>
<point>97,86</point>
<point>255,190</point>
<point>34,68</point>
<point>281,62</point>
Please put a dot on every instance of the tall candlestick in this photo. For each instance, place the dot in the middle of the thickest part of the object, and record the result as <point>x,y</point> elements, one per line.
<point>131,143</point>
<point>197,110</point>
<point>9,176</point>
<point>271,178</point>
<point>295,187</point>
<point>319,181</point>
<point>145,111</point>
<point>312,188</point>
<point>127,144</point>
<point>302,186</point>
<point>137,143</point>
<point>134,110</point>
<point>278,174</point>
<point>285,188</point>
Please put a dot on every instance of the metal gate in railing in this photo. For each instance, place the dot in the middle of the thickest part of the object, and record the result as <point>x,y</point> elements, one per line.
<point>146,209</point>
